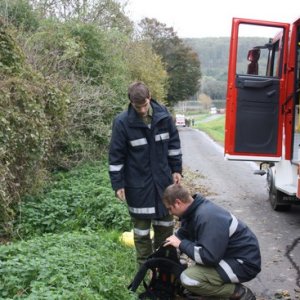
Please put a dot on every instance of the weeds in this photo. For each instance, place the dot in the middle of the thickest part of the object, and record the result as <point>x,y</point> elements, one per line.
<point>77,265</point>
<point>81,198</point>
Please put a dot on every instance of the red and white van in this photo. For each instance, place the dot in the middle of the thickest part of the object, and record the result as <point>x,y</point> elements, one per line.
<point>263,105</point>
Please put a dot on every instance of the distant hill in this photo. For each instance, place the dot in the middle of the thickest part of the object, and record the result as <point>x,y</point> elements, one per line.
<point>214,52</point>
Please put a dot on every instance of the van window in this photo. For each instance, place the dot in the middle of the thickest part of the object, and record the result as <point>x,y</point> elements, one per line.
<point>259,53</point>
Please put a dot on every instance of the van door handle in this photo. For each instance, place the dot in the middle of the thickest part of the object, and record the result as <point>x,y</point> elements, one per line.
<point>258,84</point>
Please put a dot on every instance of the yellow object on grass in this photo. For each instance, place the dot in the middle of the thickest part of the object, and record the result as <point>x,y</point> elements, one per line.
<point>127,239</point>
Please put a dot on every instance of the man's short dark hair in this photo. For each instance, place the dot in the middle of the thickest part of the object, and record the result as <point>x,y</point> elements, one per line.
<point>175,191</point>
<point>138,92</point>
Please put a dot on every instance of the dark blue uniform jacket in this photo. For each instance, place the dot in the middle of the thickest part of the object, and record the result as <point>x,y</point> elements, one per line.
<point>142,159</point>
<point>214,237</point>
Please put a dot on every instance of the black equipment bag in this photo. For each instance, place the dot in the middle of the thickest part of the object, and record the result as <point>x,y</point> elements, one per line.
<point>165,281</point>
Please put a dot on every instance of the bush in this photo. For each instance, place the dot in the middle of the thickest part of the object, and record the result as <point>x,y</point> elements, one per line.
<point>81,198</point>
<point>11,57</point>
<point>32,114</point>
<point>69,266</point>
<point>90,115</point>
<point>90,63</point>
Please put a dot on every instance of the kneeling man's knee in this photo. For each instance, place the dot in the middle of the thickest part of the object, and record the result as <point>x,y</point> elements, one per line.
<point>188,281</point>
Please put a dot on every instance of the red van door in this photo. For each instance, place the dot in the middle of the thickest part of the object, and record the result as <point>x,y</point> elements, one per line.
<point>256,90</point>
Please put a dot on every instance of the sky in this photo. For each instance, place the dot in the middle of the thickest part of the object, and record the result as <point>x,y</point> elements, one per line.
<point>210,18</point>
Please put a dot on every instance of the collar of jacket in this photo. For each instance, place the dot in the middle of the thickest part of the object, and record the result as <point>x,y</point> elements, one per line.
<point>198,200</point>
<point>159,112</point>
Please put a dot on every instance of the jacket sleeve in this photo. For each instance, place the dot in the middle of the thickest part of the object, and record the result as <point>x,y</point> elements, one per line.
<point>211,243</point>
<point>174,149</point>
<point>117,155</point>
<point>182,233</point>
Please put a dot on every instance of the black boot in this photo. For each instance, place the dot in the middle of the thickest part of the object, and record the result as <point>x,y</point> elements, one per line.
<point>190,296</point>
<point>242,292</point>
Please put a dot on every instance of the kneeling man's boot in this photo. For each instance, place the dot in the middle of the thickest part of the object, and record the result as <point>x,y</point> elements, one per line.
<point>242,292</point>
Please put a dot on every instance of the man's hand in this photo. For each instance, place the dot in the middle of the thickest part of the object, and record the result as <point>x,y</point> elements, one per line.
<point>172,240</point>
<point>176,178</point>
<point>120,193</point>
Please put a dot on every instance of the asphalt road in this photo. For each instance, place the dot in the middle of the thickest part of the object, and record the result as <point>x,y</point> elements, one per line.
<point>234,186</point>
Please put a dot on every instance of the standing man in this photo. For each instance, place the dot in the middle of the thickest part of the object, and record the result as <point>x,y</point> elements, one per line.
<point>225,251</point>
<point>144,158</point>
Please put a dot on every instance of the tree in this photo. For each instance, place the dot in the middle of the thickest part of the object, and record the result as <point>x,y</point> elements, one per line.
<point>19,13</point>
<point>205,101</point>
<point>107,14</point>
<point>144,65</point>
<point>214,88</point>
<point>181,62</point>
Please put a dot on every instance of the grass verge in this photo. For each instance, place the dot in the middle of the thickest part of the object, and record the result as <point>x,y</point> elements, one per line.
<point>214,127</point>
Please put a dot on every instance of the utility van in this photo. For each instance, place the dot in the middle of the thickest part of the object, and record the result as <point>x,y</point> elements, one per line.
<point>263,104</point>
<point>213,110</point>
<point>180,120</point>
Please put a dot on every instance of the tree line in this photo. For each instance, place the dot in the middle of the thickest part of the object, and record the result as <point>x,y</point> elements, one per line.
<point>65,69</point>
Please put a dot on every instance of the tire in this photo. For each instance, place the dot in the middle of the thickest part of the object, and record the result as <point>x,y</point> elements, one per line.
<point>276,196</point>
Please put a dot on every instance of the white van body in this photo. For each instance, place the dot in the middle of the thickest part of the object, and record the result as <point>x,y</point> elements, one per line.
<point>180,120</point>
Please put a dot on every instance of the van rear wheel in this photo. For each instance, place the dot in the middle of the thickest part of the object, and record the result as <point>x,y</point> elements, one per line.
<point>276,196</point>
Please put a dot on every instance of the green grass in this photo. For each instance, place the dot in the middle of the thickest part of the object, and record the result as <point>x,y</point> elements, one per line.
<point>199,117</point>
<point>214,128</point>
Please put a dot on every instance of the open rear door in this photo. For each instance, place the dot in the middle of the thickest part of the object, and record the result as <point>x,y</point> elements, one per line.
<point>256,90</point>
